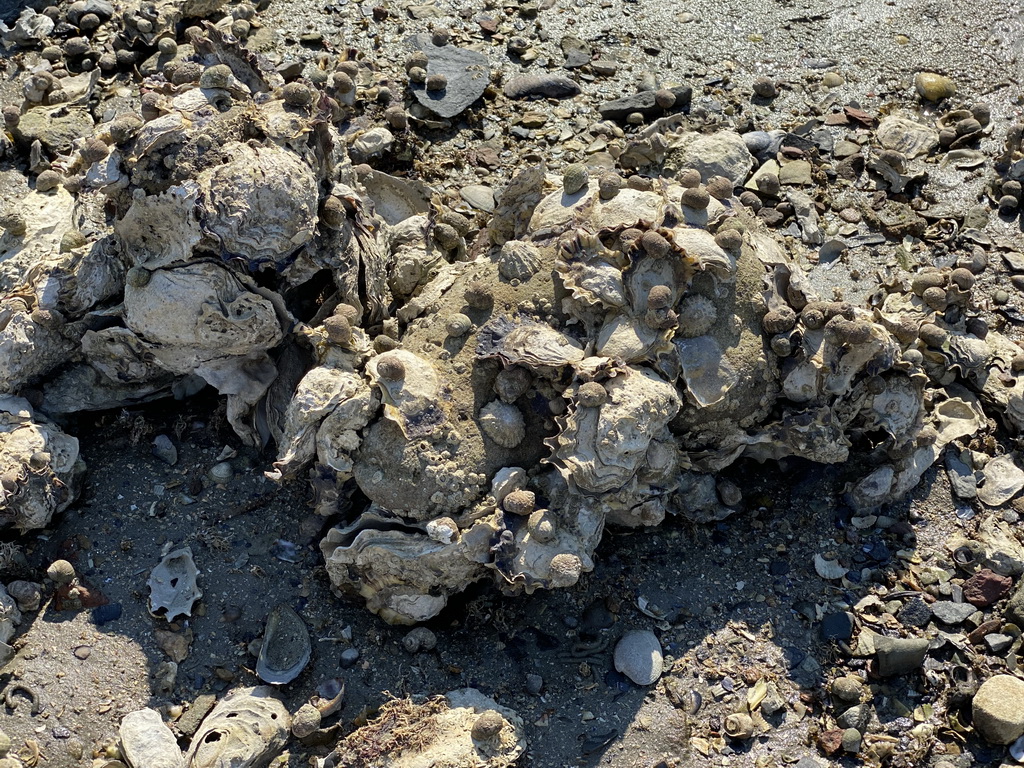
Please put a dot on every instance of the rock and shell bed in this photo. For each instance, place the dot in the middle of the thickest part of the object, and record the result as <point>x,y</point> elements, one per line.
<point>514,383</point>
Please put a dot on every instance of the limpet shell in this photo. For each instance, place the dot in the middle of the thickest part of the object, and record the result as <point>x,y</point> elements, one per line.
<point>503,423</point>
<point>518,260</point>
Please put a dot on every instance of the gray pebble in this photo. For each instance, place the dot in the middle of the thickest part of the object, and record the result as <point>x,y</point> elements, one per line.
<point>949,612</point>
<point>552,86</point>
<point>349,657</point>
<point>164,450</point>
<point>534,684</point>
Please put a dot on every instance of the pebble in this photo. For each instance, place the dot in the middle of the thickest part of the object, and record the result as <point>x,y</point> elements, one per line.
<point>998,709</point>
<point>645,103</point>
<point>897,655</point>
<point>933,87</point>
<point>479,196</point>
<point>837,626</point>
<point>915,613</point>
<point>549,85</point>
<point>466,74</point>
<point>986,587</point>
<point>639,657</point>
<point>164,450</point>
<point>832,80</point>
<point>851,740</point>
<point>847,689</point>
<point>949,612</point>
<point>349,657</point>
<point>534,684</point>
<point>998,643</point>
<point>106,613</point>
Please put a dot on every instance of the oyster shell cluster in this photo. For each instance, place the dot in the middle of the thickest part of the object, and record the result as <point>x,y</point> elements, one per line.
<point>499,387</point>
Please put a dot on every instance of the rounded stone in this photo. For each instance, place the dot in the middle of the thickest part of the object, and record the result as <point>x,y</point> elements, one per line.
<point>639,657</point>
<point>933,87</point>
<point>306,721</point>
<point>689,178</point>
<point>998,708</point>
<point>847,689</point>
<point>592,394</point>
<point>729,239</point>
<point>765,88</point>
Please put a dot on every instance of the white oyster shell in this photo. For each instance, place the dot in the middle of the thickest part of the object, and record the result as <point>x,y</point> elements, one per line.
<point>39,467</point>
<point>600,449</point>
<point>160,230</point>
<point>173,590</point>
<point>404,575</point>
<point>262,205</point>
<point>247,729</point>
<point>324,417</point>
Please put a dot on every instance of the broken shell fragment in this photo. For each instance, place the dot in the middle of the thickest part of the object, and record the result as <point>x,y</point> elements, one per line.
<point>172,585</point>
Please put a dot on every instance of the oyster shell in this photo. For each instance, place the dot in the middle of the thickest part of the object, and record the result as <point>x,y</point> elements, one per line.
<point>261,206</point>
<point>247,729</point>
<point>601,449</point>
<point>405,575</point>
<point>286,647</point>
<point>39,467</point>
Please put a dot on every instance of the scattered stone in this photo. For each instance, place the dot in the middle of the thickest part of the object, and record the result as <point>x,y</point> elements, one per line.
<point>998,709</point>
<point>466,73</point>
<point>851,740</point>
<point>190,721</point>
<point>164,450</point>
<point>832,80</point>
<point>646,103</point>
<point>847,689</point>
<point>985,587</point>
<point>952,613</point>
<point>897,656</point>
<point>552,86</point>
<point>638,656</point>
<point>837,626</point>
<point>998,643</point>
<point>534,684</point>
<point>915,613</point>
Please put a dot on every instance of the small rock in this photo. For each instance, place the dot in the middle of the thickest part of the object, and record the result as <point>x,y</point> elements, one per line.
<point>646,103</point>
<point>164,450</point>
<point>986,587</point>
<point>915,613</point>
<point>189,722</point>
<point>897,656</point>
<point>847,689</point>
<point>638,656</point>
<point>858,716</point>
<point>534,684</point>
<point>949,612</point>
<point>479,196</point>
<point>998,708</point>
<point>764,87</point>
<point>832,80</point>
<point>306,721</point>
<point>961,477</point>
<point>933,87</point>
<point>796,172</point>
<point>998,643</point>
<point>837,626</point>
<point>467,74</point>
<point>349,657</point>
<point>548,85</point>
<point>851,740</point>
